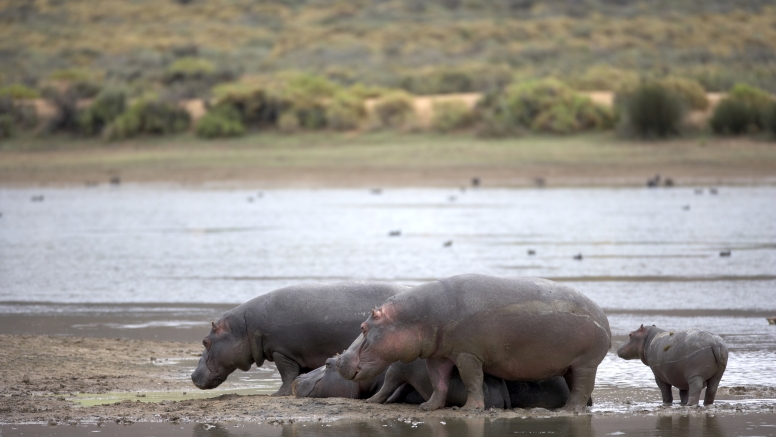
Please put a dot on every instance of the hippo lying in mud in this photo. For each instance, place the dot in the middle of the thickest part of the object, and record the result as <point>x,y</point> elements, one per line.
<point>518,329</point>
<point>406,382</point>
<point>297,327</point>
<point>688,360</point>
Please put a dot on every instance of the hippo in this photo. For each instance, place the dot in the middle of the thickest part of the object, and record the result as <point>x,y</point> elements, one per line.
<point>326,382</point>
<point>517,329</point>
<point>403,382</point>
<point>688,360</point>
<point>297,327</point>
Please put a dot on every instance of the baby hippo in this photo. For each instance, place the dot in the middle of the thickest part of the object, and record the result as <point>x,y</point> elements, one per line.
<point>688,360</point>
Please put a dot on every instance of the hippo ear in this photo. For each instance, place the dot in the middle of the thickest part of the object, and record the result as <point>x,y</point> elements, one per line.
<point>642,327</point>
<point>213,325</point>
<point>376,313</point>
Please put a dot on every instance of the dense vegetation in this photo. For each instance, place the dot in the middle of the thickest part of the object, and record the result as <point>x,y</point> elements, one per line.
<point>121,68</point>
<point>423,46</point>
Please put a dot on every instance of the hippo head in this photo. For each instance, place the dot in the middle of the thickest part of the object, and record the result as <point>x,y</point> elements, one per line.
<point>324,382</point>
<point>634,348</point>
<point>226,348</point>
<point>383,341</point>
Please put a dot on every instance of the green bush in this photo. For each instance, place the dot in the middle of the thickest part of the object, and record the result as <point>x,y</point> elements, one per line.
<point>394,109</point>
<point>106,107</point>
<point>258,107</point>
<point>148,117</point>
<point>288,122</point>
<point>345,111</point>
<point>7,126</point>
<point>66,115</point>
<point>16,116</point>
<point>189,68</point>
<point>545,105</point>
<point>19,91</point>
<point>220,121</point>
<point>769,119</point>
<point>733,117</point>
<point>690,91</point>
<point>744,109</point>
<point>652,111</point>
<point>451,115</point>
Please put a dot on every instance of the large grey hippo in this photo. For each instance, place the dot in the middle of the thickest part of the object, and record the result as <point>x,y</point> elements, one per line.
<point>297,327</point>
<point>688,360</point>
<point>524,329</point>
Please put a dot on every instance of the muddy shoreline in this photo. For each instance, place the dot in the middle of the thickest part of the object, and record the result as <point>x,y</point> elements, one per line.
<point>44,376</point>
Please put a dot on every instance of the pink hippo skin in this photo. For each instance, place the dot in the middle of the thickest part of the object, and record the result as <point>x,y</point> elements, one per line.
<point>518,329</point>
<point>688,360</point>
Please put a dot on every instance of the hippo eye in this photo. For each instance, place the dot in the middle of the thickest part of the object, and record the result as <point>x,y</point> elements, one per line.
<point>630,335</point>
<point>363,328</point>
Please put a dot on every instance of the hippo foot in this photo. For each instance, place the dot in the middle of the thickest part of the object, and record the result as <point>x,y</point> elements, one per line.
<point>668,404</point>
<point>573,408</point>
<point>473,406</point>
<point>428,406</point>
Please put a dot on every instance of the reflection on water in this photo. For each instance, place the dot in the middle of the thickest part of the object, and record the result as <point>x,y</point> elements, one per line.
<point>678,425</point>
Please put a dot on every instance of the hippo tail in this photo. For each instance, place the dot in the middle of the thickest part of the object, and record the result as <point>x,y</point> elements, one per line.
<point>720,354</point>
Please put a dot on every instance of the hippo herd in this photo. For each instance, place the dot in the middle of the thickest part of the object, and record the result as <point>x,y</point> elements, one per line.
<point>472,341</point>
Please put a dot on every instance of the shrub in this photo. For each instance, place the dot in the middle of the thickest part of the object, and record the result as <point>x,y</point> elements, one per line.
<point>769,119</point>
<point>394,109</point>
<point>220,121</point>
<point>451,115</point>
<point>149,116</point>
<point>745,108</point>
<point>19,91</point>
<point>652,111</point>
<point>106,107</point>
<point>257,106</point>
<point>84,89</point>
<point>733,117</point>
<point>288,122</point>
<point>690,91</point>
<point>189,68</point>
<point>542,106</point>
<point>345,112</point>
<point>66,104</point>
<point>15,115</point>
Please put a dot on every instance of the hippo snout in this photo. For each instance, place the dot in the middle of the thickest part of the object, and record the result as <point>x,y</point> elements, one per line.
<point>347,365</point>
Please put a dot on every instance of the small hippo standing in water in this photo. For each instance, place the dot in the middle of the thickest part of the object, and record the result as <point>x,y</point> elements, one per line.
<point>688,360</point>
<point>297,327</point>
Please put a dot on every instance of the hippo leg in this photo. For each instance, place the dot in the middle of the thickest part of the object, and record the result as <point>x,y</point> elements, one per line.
<point>470,369</point>
<point>289,370</point>
<point>711,387</point>
<point>581,381</point>
<point>392,382</point>
<point>665,390</point>
<point>696,385</point>
<point>683,395</point>
<point>439,370</point>
<point>400,395</point>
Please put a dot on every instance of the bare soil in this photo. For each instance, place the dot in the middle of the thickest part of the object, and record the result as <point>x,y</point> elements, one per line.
<point>40,375</point>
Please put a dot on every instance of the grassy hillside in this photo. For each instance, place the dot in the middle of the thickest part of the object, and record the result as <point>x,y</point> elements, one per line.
<point>425,46</point>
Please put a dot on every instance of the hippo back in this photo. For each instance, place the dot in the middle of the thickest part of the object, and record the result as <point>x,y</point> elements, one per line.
<point>311,322</point>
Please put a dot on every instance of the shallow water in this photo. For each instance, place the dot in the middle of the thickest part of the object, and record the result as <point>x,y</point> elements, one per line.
<point>666,425</point>
<point>160,262</point>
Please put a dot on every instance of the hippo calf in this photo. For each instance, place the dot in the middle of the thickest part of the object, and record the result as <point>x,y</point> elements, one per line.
<point>688,360</point>
<point>408,382</point>
<point>297,327</point>
<point>517,329</point>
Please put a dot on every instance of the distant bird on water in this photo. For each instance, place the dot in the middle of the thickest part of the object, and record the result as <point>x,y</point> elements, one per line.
<point>578,257</point>
<point>725,253</point>
<point>531,252</point>
<point>448,243</point>
<point>654,181</point>
<point>475,182</point>
<point>771,320</point>
<point>396,233</point>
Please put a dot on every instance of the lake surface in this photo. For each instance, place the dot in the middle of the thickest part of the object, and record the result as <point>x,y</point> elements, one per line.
<point>154,261</point>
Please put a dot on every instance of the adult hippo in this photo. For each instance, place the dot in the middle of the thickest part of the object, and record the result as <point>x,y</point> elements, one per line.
<point>297,327</point>
<point>523,329</point>
<point>688,360</point>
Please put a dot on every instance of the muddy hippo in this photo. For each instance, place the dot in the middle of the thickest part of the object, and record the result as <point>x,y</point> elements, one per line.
<point>297,327</point>
<point>523,329</point>
<point>688,360</point>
